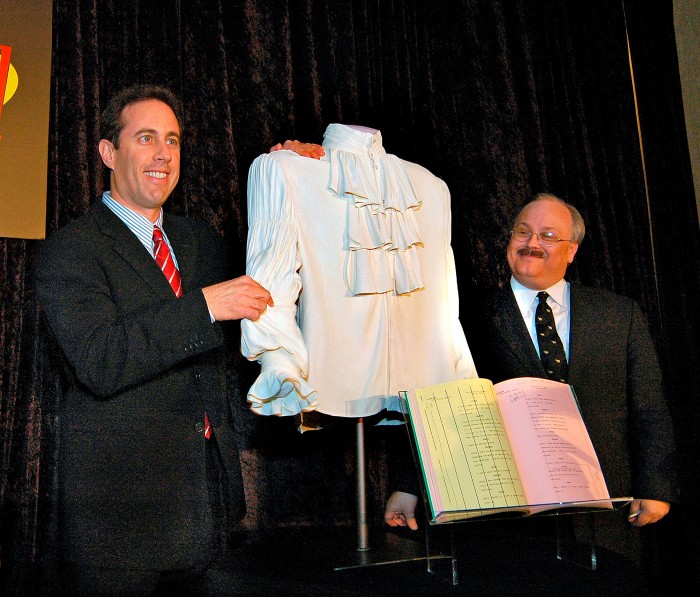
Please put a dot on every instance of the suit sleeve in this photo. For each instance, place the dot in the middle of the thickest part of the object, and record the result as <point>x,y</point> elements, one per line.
<point>651,432</point>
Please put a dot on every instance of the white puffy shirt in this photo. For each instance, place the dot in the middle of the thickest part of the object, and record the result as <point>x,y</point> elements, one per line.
<point>355,250</point>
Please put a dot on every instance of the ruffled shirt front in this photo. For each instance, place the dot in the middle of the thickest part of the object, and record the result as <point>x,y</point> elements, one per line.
<point>381,233</point>
<point>355,250</point>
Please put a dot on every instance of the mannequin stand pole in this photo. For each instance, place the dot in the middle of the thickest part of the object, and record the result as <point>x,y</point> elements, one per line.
<point>390,548</point>
<point>362,525</point>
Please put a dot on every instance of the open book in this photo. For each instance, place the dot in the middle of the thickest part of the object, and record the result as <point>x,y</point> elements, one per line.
<point>517,446</point>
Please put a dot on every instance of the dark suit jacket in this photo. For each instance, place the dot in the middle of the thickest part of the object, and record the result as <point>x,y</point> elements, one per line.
<point>616,377</point>
<point>144,368</point>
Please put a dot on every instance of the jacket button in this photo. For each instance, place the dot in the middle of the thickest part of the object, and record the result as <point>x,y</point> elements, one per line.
<point>199,426</point>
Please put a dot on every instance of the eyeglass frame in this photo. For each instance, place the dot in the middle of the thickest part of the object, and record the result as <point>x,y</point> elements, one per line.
<point>549,242</point>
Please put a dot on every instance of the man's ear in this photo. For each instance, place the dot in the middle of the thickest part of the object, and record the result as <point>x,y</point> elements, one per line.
<point>573,247</point>
<point>107,153</point>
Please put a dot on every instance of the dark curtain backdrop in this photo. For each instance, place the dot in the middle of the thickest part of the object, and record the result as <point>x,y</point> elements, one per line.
<point>501,99</point>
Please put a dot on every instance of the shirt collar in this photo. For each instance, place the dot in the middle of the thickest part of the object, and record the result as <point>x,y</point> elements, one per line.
<point>140,225</point>
<point>525,297</point>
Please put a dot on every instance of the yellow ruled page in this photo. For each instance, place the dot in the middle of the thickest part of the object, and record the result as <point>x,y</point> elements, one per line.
<point>465,455</point>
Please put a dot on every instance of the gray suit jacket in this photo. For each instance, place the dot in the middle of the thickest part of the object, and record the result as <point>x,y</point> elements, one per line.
<point>144,366</point>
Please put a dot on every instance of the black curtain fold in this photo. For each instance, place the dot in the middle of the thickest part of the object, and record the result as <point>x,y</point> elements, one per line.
<point>501,99</point>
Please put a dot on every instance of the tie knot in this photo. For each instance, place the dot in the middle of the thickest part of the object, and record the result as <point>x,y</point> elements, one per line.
<point>543,296</point>
<point>157,234</point>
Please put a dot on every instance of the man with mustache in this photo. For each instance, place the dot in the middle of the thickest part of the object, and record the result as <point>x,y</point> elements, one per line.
<point>611,364</point>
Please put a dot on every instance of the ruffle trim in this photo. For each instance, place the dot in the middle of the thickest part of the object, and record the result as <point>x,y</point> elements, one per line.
<point>275,393</point>
<point>382,234</point>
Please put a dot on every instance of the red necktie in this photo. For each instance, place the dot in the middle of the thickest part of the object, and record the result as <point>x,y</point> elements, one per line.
<point>207,427</point>
<point>164,259</point>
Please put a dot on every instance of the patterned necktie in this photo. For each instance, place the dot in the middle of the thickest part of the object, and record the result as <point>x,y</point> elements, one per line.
<point>164,259</point>
<point>552,352</point>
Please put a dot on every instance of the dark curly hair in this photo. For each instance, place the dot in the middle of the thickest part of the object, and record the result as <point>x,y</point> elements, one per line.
<point>111,123</point>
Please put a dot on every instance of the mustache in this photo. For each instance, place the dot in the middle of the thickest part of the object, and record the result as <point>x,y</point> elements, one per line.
<point>528,252</point>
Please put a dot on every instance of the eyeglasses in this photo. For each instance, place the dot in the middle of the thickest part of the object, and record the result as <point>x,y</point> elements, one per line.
<point>546,239</point>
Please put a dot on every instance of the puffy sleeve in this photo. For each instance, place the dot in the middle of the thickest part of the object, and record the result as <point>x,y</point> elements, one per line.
<point>275,340</point>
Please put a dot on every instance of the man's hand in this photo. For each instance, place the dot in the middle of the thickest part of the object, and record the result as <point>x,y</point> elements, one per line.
<point>309,150</point>
<point>237,299</point>
<point>644,512</point>
<point>400,510</point>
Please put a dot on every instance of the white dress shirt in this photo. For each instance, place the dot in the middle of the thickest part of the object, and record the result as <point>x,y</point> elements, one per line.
<point>559,301</point>
<point>355,250</point>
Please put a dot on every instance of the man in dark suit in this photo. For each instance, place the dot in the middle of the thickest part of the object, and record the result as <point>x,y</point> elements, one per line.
<point>611,360</point>
<point>148,458</point>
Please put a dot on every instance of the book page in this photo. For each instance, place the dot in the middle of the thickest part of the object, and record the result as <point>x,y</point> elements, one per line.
<point>466,457</point>
<point>554,453</point>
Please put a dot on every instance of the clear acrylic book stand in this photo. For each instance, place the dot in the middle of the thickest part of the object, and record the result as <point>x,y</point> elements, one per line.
<point>582,552</point>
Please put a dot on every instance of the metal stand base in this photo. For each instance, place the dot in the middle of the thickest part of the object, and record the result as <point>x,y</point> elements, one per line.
<point>388,548</point>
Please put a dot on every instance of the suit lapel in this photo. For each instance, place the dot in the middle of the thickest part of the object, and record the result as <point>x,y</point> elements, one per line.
<point>580,318</point>
<point>129,248</point>
<point>515,336</point>
<point>184,248</point>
